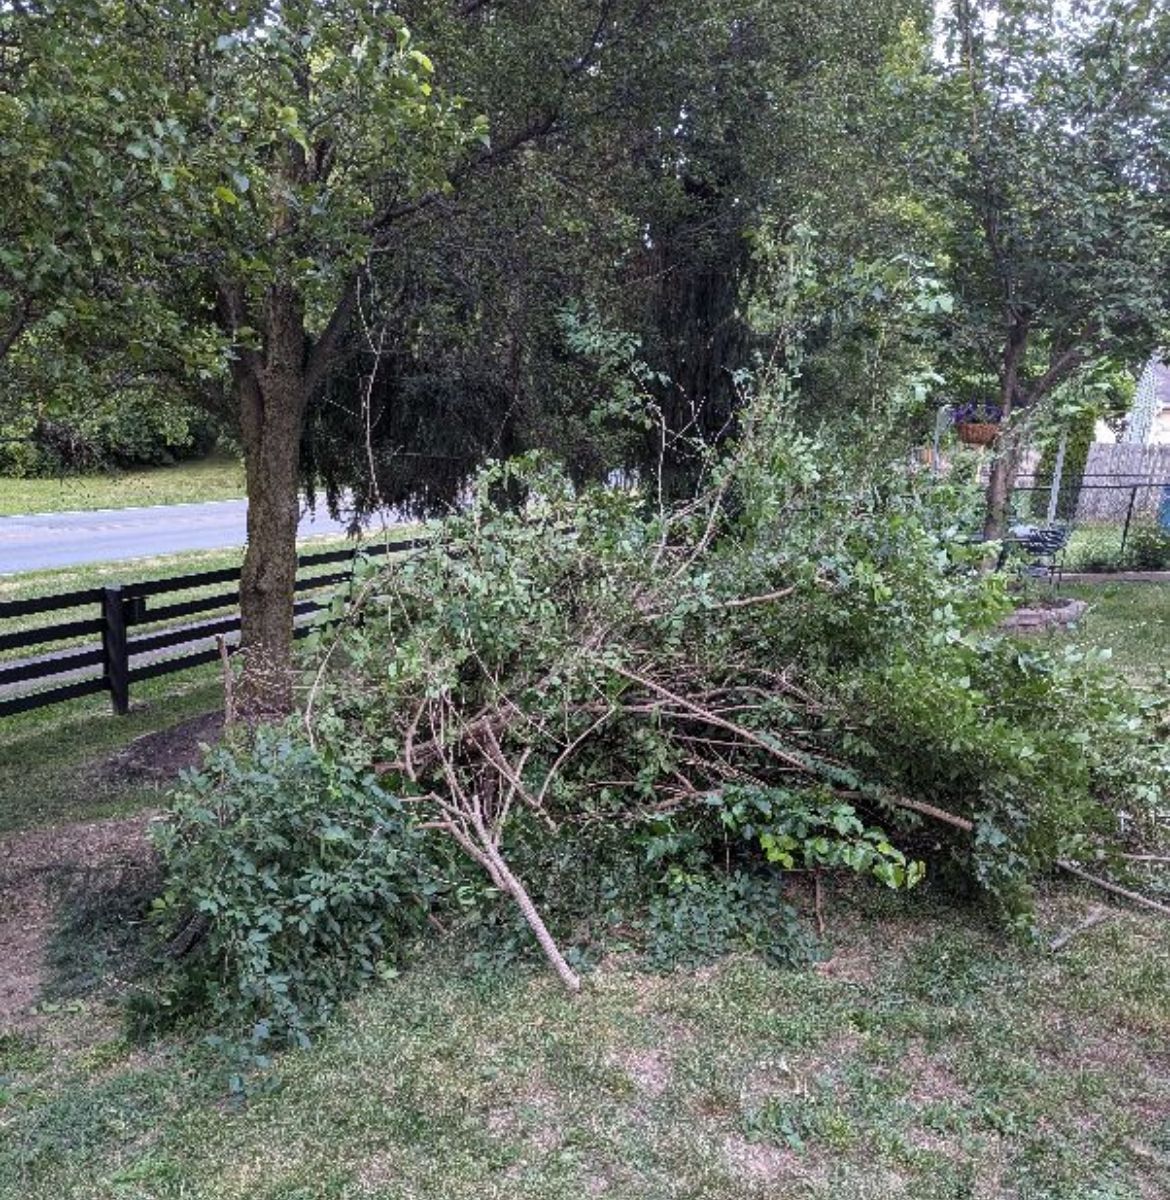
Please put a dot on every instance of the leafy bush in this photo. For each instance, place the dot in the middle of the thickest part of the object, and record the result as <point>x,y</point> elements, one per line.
<point>814,830</point>
<point>1149,548</point>
<point>132,432</point>
<point>305,874</point>
<point>587,653</point>
<point>1047,754</point>
<point>696,918</point>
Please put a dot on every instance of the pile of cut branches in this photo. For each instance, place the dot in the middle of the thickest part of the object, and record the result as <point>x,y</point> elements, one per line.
<point>818,653</point>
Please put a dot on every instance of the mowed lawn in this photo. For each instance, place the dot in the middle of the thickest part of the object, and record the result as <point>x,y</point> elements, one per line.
<point>219,477</point>
<point>1132,622</point>
<point>929,1055</point>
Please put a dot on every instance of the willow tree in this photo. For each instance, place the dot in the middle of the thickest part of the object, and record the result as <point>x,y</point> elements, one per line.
<point>694,125</point>
<point>1038,136</point>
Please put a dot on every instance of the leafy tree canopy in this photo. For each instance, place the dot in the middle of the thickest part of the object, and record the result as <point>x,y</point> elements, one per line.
<point>1037,136</point>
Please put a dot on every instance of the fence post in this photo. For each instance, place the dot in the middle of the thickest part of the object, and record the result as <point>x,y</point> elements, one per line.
<point>1057,473</point>
<point>1128,518</point>
<point>116,665</point>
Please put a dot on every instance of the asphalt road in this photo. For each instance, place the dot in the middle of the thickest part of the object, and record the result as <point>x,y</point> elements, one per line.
<point>66,539</point>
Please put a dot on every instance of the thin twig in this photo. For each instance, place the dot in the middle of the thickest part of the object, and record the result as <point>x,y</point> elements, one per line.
<point>741,602</point>
<point>709,717</point>
<point>1107,886</point>
<point>229,702</point>
<point>1094,918</point>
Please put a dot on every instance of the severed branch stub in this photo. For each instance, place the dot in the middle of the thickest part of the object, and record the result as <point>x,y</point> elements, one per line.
<point>1096,917</point>
<point>1115,889</point>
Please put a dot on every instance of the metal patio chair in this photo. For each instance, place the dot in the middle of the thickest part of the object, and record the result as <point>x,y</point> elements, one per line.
<point>1042,546</point>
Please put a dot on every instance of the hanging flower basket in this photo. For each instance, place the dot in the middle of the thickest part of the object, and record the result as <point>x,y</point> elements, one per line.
<point>977,433</point>
<point>977,424</point>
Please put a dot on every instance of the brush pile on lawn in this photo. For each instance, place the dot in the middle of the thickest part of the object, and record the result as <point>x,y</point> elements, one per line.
<point>626,722</point>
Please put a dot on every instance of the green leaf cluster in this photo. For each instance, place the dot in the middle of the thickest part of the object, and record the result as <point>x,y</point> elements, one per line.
<point>307,877</point>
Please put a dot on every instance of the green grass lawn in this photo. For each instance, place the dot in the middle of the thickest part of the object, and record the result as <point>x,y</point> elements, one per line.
<point>1099,548</point>
<point>51,758</point>
<point>927,1058</point>
<point>216,478</point>
<point>930,1056</point>
<point>1131,621</point>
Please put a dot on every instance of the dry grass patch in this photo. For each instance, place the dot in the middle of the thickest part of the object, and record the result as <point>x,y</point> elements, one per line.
<point>770,1165</point>
<point>650,1071</point>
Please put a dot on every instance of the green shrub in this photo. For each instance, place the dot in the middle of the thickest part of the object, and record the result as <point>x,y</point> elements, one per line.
<point>899,688</point>
<point>698,917</point>
<point>1148,548</point>
<point>133,432</point>
<point>307,876</point>
<point>1047,753</point>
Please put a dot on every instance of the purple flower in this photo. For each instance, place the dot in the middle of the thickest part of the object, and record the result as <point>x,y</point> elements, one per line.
<point>976,414</point>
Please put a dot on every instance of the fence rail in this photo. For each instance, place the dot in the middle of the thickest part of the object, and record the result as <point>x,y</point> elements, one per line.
<point>122,607</point>
<point>1115,524</point>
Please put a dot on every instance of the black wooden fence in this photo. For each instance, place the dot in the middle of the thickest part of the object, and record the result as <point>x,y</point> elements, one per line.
<point>109,665</point>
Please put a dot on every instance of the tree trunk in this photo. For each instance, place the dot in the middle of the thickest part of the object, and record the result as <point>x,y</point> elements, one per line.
<point>1001,482</point>
<point>1007,460</point>
<point>273,396</point>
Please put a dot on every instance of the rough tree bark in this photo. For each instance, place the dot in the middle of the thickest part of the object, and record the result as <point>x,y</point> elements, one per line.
<point>1005,465</point>
<point>1019,392</point>
<point>1001,481</point>
<point>272,388</point>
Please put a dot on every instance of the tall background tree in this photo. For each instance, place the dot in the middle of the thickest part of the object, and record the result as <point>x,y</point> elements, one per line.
<point>311,234</point>
<point>1037,133</point>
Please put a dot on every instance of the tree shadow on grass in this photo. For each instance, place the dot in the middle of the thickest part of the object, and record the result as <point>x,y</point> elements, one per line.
<point>102,937</point>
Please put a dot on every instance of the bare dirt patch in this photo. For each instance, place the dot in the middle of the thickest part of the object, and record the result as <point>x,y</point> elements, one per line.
<point>381,1169</point>
<point>160,756</point>
<point>850,965</point>
<point>533,1117</point>
<point>930,1080</point>
<point>649,1070</point>
<point>99,856</point>
<point>29,864</point>
<point>765,1164</point>
<point>771,1080</point>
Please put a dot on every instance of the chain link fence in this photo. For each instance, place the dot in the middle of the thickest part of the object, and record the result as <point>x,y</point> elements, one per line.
<point>1114,525</point>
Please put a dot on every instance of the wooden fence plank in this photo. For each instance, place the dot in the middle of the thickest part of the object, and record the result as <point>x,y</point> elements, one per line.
<point>44,634</point>
<point>185,608</point>
<point>46,668</point>
<point>43,604</point>
<point>149,642</point>
<point>123,606</point>
<point>66,691</point>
